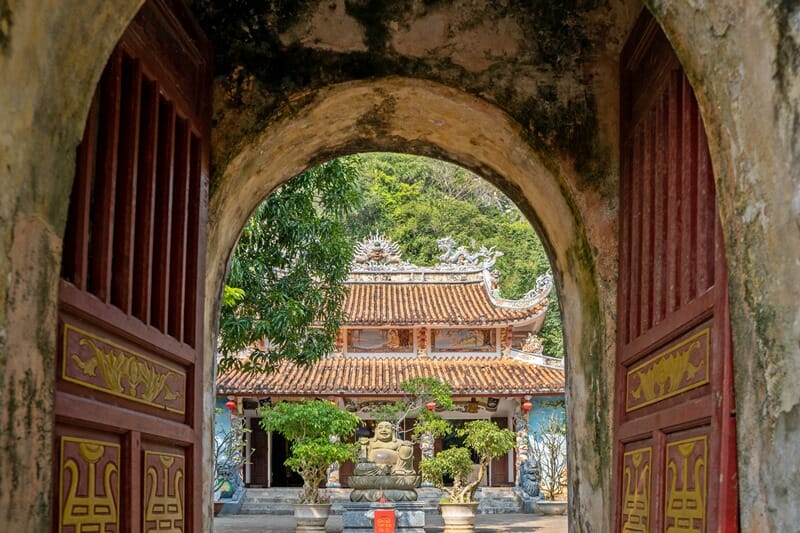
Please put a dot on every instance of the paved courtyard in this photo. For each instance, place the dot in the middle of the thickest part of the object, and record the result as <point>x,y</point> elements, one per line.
<point>485,523</point>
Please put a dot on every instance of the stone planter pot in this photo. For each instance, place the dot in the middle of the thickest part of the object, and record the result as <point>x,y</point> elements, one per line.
<point>458,517</point>
<point>311,517</point>
<point>548,507</point>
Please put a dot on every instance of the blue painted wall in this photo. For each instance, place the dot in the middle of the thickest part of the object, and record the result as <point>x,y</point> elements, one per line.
<point>543,408</point>
<point>222,420</point>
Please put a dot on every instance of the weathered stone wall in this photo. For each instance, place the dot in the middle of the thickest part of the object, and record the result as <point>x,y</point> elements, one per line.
<point>524,93</point>
<point>51,56</point>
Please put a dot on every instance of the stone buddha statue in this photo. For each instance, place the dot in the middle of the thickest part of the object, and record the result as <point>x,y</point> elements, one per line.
<point>385,468</point>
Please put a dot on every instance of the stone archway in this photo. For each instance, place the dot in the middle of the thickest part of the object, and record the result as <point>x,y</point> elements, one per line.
<point>428,119</point>
<point>739,61</point>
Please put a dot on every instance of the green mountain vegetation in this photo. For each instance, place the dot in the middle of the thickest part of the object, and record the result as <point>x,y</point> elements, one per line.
<point>290,263</point>
<point>415,201</point>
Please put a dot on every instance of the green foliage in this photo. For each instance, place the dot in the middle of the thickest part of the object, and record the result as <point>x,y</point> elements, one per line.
<point>486,439</point>
<point>419,392</point>
<point>232,296</point>
<point>549,450</point>
<point>309,426</point>
<point>288,270</point>
<point>551,334</point>
<point>453,462</point>
<point>415,201</point>
<point>483,437</point>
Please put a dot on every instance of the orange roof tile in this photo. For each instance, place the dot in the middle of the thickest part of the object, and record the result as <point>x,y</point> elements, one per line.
<point>383,375</point>
<point>416,304</point>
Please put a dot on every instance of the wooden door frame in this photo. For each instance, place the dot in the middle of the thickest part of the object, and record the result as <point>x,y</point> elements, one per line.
<point>167,61</point>
<point>647,41</point>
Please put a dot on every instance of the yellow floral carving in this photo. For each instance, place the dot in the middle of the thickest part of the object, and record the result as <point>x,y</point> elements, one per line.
<point>143,380</point>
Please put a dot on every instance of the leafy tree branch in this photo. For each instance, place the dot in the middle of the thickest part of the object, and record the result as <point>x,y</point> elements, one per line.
<point>284,294</point>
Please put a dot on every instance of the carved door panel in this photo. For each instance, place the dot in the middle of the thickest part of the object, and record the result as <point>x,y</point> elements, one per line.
<point>128,400</point>
<point>675,462</point>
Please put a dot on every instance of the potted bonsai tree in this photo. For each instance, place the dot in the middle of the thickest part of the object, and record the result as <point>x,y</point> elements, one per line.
<point>488,441</point>
<point>549,450</point>
<point>310,425</point>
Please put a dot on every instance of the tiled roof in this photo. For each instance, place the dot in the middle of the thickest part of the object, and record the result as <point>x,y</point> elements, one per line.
<point>374,375</point>
<point>416,304</point>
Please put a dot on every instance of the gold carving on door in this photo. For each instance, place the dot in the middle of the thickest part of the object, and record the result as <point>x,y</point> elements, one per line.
<point>163,493</point>
<point>89,486</point>
<point>677,369</point>
<point>687,464</point>
<point>100,364</point>
<point>636,498</point>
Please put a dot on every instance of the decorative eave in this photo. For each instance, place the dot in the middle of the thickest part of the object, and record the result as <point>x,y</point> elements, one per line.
<point>459,292</point>
<point>378,254</point>
<point>382,376</point>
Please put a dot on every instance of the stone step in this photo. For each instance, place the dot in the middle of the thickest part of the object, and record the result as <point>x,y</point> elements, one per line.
<point>278,501</point>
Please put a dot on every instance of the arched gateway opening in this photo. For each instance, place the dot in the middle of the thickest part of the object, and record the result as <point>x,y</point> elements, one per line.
<point>576,219</point>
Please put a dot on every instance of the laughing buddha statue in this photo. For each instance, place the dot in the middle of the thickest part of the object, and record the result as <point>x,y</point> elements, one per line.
<point>384,469</point>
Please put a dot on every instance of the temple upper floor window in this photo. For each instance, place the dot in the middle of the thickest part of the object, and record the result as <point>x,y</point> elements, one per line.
<point>464,340</point>
<point>395,340</point>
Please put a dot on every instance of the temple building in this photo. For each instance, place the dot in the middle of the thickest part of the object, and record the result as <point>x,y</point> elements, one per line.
<point>406,321</point>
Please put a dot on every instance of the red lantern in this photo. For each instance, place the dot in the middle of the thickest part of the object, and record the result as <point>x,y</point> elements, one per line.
<point>526,406</point>
<point>430,406</point>
<point>230,404</point>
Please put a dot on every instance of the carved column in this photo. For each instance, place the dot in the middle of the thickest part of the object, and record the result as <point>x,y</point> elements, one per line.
<point>422,342</point>
<point>506,336</point>
<point>339,341</point>
<point>522,447</point>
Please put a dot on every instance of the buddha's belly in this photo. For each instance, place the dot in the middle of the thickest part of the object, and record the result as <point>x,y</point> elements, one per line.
<point>383,457</point>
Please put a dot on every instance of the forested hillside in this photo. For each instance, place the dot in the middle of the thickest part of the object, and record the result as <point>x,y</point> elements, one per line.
<point>416,200</point>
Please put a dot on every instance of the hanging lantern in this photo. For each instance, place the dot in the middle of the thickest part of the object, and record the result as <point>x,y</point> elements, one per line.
<point>526,406</point>
<point>230,404</point>
<point>430,406</point>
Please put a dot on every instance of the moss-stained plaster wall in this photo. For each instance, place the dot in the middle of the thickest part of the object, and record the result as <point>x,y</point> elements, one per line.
<point>532,59</point>
<point>51,56</point>
<point>5,24</point>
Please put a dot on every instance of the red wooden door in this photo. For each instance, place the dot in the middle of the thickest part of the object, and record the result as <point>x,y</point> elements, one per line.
<point>675,435</point>
<point>499,475</point>
<point>128,409</point>
<point>259,466</point>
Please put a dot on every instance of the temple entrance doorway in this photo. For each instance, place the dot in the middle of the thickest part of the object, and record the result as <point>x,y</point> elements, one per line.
<point>162,445</point>
<point>282,476</point>
<point>258,469</point>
